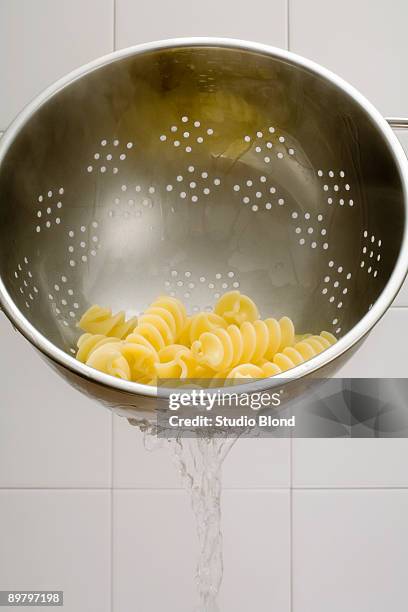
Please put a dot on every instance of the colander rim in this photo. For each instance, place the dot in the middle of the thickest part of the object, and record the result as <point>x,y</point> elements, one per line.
<point>345,343</point>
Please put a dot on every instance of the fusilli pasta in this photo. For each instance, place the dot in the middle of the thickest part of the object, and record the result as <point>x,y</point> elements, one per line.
<point>198,324</point>
<point>161,324</point>
<point>109,359</point>
<point>97,320</point>
<point>230,343</point>
<point>292,356</point>
<point>222,349</point>
<point>236,308</point>
<point>176,361</point>
<point>87,343</point>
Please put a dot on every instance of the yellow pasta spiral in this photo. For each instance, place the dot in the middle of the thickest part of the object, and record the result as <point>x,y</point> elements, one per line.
<point>98,320</point>
<point>176,361</point>
<point>95,351</point>
<point>108,358</point>
<point>87,343</point>
<point>307,348</point>
<point>198,324</point>
<point>290,357</point>
<point>184,337</point>
<point>245,370</point>
<point>222,349</point>
<point>142,360</point>
<point>236,308</point>
<point>251,370</point>
<point>161,324</point>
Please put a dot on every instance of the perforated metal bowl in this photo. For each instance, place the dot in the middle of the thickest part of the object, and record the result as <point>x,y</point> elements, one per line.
<point>192,167</point>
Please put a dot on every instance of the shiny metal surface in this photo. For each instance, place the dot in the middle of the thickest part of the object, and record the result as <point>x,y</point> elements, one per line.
<point>398,123</point>
<point>192,167</point>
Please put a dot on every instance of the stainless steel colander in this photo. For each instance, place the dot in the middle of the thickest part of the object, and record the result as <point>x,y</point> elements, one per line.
<point>192,167</point>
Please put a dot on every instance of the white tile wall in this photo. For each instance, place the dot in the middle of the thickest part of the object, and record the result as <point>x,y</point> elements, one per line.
<point>364,42</point>
<point>263,21</point>
<point>258,464</point>
<point>256,528</point>
<point>155,551</point>
<point>349,551</point>
<point>41,40</point>
<point>57,540</point>
<point>56,464</point>
<point>355,463</point>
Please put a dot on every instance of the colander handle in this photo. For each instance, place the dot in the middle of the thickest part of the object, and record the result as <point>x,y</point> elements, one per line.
<point>398,123</point>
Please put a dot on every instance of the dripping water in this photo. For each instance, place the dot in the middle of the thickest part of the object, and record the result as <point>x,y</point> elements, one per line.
<point>199,461</point>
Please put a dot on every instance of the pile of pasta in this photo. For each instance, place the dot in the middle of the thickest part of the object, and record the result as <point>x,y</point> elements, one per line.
<point>231,342</point>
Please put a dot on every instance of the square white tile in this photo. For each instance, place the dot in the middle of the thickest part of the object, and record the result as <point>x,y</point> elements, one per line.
<point>258,463</point>
<point>382,354</point>
<point>155,551</point>
<point>50,434</point>
<point>57,540</point>
<point>251,463</point>
<point>256,528</point>
<point>349,551</point>
<point>365,42</point>
<point>350,462</point>
<point>263,21</point>
<point>43,40</point>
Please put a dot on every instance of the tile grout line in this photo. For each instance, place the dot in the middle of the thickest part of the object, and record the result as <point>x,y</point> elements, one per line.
<point>111,568</point>
<point>112,437</point>
<point>291,523</point>
<point>111,475</point>
<point>114,24</point>
<point>247,489</point>
<point>288,24</point>
<point>352,488</point>
<point>90,489</point>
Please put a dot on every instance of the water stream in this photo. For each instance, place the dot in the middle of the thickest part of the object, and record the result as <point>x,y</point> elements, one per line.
<point>199,461</point>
